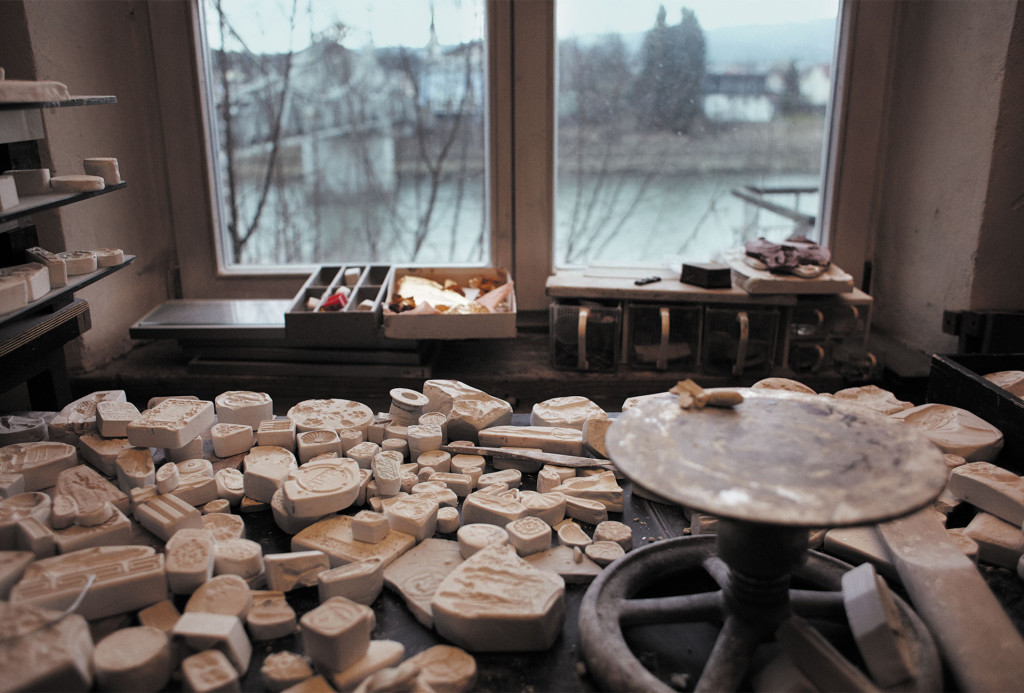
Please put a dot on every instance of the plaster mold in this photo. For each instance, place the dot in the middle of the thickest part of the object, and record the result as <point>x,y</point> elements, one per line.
<point>209,671</point>
<point>288,571</point>
<point>171,424</point>
<point>496,602</point>
<point>381,654</point>
<point>203,631</point>
<point>135,469</point>
<point>565,412</point>
<point>336,634</point>
<point>474,537</point>
<point>331,414</point>
<point>60,654</point>
<point>266,468</point>
<point>333,536</point>
<point>112,418</point>
<point>223,526</point>
<point>127,578</point>
<point>320,488</point>
<point>271,616</point>
<point>416,575</point>
<point>189,560</point>
<point>956,431</point>
<point>133,659</point>
<point>38,463</point>
<point>165,515</point>
<point>565,441</point>
<point>244,407</point>
<point>223,594</point>
<point>361,581</point>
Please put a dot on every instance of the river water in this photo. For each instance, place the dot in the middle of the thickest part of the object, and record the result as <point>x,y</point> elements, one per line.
<point>626,218</point>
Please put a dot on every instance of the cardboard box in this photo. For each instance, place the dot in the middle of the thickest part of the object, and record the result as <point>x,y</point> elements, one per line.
<point>500,325</point>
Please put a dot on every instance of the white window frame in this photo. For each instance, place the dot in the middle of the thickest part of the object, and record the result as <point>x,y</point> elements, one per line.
<point>521,60</point>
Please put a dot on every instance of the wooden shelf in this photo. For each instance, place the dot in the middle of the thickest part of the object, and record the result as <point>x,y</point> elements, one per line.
<point>73,101</point>
<point>64,293</point>
<point>40,203</point>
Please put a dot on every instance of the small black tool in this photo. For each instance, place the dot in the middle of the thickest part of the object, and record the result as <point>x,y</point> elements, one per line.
<point>647,280</point>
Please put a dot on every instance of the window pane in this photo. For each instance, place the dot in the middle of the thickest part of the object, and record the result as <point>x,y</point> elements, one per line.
<point>675,126</point>
<point>349,131</point>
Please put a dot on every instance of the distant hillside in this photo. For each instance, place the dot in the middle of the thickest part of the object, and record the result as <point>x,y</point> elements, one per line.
<point>808,42</point>
<point>805,42</point>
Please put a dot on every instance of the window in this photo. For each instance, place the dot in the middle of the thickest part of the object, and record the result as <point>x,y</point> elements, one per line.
<point>683,133</point>
<point>349,131</point>
<point>520,52</point>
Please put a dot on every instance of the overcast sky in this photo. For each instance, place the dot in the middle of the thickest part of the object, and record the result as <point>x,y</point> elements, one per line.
<point>264,28</point>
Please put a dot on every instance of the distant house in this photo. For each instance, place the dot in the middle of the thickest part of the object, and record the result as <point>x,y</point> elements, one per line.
<point>733,97</point>
<point>336,126</point>
<point>816,85</point>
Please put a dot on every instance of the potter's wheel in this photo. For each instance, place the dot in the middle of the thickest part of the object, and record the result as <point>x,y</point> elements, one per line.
<point>771,468</point>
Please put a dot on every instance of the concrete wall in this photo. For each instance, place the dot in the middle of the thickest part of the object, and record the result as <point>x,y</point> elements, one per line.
<point>948,237</point>
<point>100,48</point>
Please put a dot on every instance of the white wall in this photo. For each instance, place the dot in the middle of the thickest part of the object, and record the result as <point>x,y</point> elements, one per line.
<point>936,248</point>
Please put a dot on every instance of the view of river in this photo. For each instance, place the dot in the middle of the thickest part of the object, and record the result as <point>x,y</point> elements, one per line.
<point>622,219</point>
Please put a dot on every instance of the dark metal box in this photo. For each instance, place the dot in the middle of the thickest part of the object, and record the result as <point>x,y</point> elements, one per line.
<point>958,380</point>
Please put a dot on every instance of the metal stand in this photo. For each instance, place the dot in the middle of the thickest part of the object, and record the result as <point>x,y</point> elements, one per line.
<point>771,468</point>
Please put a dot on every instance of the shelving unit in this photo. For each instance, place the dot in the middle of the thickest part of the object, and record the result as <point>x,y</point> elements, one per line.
<point>32,338</point>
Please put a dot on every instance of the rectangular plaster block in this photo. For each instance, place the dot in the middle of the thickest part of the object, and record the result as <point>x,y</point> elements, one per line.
<point>333,536</point>
<point>271,616</point>
<point>38,462</point>
<point>101,452</point>
<point>165,515</point>
<point>999,542</point>
<point>127,578</point>
<point>191,450</point>
<point>172,423</point>
<point>370,527</point>
<point>112,418</point>
<point>565,441</point>
<point>266,468</point>
<point>287,571</point>
<point>279,432</point>
<point>116,531</point>
<point>413,515</point>
<point>857,545</point>
<point>135,469</point>
<point>38,657</point>
<point>162,616</point>
<point>336,634</point>
<point>209,671</point>
<point>204,631</point>
<point>196,484</point>
<point>231,439</point>
<point>990,488</point>
<point>309,444</point>
<point>361,581</point>
<point>31,181</point>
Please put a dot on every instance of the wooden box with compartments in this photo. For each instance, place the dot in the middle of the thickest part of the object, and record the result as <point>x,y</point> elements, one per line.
<point>339,304</point>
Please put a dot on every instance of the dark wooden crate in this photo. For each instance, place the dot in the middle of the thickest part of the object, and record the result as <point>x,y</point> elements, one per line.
<point>958,380</point>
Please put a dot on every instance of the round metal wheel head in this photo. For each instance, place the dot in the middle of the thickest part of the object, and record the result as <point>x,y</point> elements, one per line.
<point>781,458</point>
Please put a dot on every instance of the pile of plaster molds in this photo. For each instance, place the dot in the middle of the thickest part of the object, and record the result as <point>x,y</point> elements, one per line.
<point>139,516</point>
